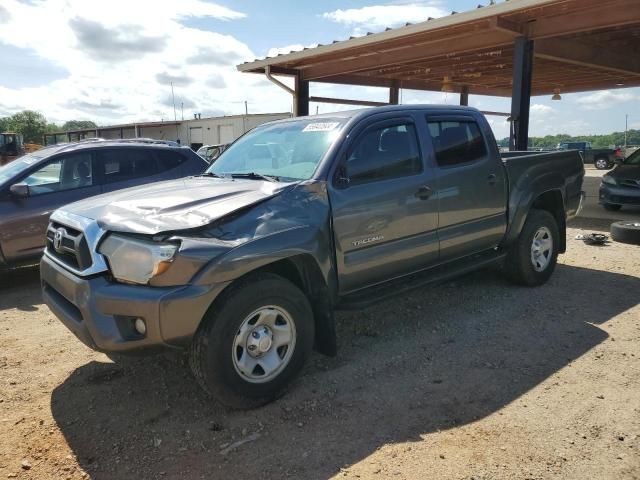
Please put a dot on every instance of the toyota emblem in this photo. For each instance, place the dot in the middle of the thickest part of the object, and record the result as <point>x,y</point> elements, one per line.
<point>57,238</point>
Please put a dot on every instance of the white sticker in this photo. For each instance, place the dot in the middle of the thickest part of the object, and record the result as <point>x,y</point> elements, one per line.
<point>321,127</point>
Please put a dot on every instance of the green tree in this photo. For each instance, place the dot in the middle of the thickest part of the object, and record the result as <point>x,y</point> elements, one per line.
<point>30,124</point>
<point>4,124</point>
<point>78,125</point>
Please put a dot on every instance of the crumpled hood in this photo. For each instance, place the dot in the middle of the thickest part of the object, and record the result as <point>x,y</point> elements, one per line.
<point>173,205</point>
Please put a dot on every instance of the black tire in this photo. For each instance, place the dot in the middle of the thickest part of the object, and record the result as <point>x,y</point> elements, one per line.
<point>627,231</point>
<point>602,163</point>
<point>212,349</point>
<point>612,207</point>
<point>519,267</point>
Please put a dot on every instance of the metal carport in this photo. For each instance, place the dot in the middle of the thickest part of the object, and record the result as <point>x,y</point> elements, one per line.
<point>512,49</point>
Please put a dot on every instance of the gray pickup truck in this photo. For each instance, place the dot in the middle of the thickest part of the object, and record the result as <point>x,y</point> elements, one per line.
<point>602,158</point>
<point>244,265</point>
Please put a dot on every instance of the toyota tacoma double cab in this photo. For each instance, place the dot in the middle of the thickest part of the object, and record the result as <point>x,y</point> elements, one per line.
<point>244,265</point>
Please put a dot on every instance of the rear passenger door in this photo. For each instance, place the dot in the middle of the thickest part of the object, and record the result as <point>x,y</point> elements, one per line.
<point>472,194</point>
<point>126,167</point>
<point>384,213</point>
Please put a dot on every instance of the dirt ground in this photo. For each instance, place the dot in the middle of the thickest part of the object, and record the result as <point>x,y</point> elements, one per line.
<point>475,379</point>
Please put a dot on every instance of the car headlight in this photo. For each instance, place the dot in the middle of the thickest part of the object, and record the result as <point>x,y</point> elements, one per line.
<point>609,179</point>
<point>136,261</point>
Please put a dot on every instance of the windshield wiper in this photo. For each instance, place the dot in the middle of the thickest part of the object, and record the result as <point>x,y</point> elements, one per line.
<point>210,174</point>
<point>255,176</point>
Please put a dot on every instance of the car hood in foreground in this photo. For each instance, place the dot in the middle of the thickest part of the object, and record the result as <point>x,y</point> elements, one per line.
<point>173,205</point>
<point>621,172</point>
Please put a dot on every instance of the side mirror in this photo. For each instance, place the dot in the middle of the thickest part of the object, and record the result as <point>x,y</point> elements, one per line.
<point>20,190</point>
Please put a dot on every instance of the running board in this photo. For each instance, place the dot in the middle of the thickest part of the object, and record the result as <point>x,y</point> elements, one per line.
<point>378,293</point>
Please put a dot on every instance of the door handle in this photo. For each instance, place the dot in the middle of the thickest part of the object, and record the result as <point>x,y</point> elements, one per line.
<point>492,179</point>
<point>424,192</point>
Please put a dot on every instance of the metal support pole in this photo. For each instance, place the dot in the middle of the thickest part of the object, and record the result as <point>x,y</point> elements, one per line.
<point>464,96</point>
<point>521,93</point>
<point>394,95</point>
<point>301,99</point>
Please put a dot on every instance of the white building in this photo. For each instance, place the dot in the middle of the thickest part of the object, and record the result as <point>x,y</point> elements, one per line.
<point>195,132</point>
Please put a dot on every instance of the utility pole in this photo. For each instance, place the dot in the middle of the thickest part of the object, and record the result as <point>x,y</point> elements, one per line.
<point>246,108</point>
<point>626,127</point>
<point>175,114</point>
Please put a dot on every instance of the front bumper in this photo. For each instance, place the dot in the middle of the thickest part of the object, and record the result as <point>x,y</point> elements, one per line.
<point>616,195</point>
<point>101,313</point>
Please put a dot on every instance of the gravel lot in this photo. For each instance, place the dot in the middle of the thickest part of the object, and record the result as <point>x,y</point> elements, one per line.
<point>475,378</point>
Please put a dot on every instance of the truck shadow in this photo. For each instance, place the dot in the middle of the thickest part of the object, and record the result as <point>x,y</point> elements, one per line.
<point>20,289</point>
<point>427,361</point>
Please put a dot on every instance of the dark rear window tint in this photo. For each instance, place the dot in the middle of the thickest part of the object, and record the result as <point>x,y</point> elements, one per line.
<point>457,142</point>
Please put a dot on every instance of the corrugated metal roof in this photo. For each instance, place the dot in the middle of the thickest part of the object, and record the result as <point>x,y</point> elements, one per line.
<point>455,18</point>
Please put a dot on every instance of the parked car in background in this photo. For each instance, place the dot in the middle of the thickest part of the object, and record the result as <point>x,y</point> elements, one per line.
<point>211,152</point>
<point>602,158</point>
<point>34,185</point>
<point>621,186</point>
<point>245,265</point>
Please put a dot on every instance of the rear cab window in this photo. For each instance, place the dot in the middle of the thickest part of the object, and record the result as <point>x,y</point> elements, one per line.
<point>456,142</point>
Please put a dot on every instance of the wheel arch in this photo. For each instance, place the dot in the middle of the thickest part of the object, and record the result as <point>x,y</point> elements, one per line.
<point>303,271</point>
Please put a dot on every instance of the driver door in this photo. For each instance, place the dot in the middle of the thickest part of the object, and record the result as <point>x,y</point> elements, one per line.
<point>62,180</point>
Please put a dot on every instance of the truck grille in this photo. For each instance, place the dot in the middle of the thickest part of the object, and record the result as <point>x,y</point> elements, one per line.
<point>68,245</point>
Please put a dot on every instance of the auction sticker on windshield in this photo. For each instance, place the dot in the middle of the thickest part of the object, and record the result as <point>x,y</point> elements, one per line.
<point>321,127</point>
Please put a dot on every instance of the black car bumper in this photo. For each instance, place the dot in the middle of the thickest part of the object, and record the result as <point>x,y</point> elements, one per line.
<point>102,313</point>
<point>616,195</point>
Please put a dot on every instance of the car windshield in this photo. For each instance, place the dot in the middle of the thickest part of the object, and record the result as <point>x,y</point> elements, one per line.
<point>15,168</point>
<point>289,151</point>
<point>633,159</point>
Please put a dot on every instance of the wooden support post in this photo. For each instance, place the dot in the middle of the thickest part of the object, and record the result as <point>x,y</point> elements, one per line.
<point>301,98</point>
<point>521,93</point>
<point>464,96</point>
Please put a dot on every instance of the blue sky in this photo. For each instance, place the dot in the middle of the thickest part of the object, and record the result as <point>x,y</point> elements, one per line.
<point>113,62</point>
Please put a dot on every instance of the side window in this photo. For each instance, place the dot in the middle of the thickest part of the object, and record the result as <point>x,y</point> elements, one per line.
<point>457,142</point>
<point>168,160</point>
<point>125,164</point>
<point>383,153</point>
<point>66,173</point>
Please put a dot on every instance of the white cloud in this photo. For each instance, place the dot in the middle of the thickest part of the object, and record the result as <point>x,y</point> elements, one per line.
<point>377,17</point>
<point>296,47</point>
<point>119,58</point>
<point>605,99</point>
<point>540,109</point>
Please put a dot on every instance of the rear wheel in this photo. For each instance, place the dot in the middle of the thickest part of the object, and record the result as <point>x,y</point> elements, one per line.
<point>602,163</point>
<point>532,259</point>
<point>253,341</point>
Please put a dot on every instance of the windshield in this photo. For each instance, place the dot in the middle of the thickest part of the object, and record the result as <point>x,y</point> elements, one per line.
<point>633,159</point>
<point>15,168</point>
<point>290,151</point>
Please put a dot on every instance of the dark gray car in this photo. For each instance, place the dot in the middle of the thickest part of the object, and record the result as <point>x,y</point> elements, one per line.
<point>33,186</point>
<point>621,186</point>
<point>244,266</point>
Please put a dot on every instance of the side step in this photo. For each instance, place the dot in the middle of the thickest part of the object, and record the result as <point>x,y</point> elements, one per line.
<point>440,273</point>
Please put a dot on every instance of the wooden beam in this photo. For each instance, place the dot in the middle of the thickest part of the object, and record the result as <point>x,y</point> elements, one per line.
<point>609,14</point>
<point>506,26</point>
<point>594,56</point>
<point>418,52</point>
<point>345,101</point>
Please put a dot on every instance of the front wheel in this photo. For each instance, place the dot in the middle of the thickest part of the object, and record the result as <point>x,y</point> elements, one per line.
<point>532,258</point>
<point>253,341</point>
<point>602,164</point>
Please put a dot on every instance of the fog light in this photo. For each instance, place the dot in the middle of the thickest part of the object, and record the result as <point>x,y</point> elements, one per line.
<point>140,326</point>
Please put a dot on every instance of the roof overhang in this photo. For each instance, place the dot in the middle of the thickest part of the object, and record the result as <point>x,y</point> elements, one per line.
<point>579,45</point>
